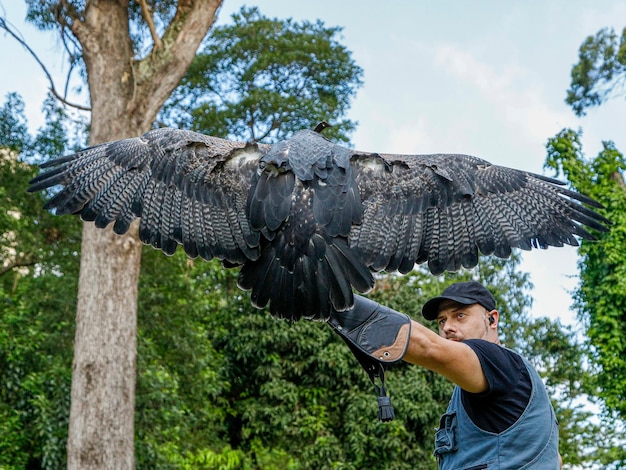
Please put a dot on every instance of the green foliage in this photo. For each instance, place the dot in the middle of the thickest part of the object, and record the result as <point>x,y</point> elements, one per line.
<point>601,295</point>
<point>178,388</point>
<point>600,72</point>
<point>13,128</point>
<point>38,278</point>
<point>290,395</point>
<point>261,79</point>
<point>223,385</point>
<point>60,133</point>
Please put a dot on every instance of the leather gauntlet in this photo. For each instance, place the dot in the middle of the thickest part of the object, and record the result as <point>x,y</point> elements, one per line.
<point>378,337</point>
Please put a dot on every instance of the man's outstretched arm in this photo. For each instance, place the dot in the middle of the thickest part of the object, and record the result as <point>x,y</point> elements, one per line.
<point>388,336</point>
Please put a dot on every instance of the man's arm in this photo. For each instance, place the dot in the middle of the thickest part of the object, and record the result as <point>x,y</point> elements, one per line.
<point>454,360</point>
<point>388,336</point>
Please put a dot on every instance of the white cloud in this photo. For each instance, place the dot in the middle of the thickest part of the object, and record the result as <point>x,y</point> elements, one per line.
<point>515,92</point>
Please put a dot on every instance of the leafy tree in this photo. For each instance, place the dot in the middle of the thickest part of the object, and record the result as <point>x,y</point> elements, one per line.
<point>263,78</point>
<point>14,136</point>
<point>600,72</point>
<point>38,278</point>
<point>131,64</point>
<point>154,47</point>
<point>600,298</point>
<point>601,295</point>
<point>20,246</point>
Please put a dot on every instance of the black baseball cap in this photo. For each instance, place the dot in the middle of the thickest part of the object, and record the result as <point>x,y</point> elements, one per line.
<point>466,293</point>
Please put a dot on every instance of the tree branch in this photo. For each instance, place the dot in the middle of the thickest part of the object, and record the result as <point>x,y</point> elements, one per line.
<point>19,262</point>
<point>619,179</point>
<point>5,26</point>
<point>158,74</point>
<point>147,14</point>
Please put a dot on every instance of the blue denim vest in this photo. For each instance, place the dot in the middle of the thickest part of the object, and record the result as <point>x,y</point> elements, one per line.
<point>532,442</point>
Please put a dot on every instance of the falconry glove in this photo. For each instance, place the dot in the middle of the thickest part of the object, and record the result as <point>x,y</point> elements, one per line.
<point>378,337</point>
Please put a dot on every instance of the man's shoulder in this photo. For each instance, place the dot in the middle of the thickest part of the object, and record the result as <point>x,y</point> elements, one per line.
<point>494,351</point>
<point>510,387</point>
<point>485,345</point>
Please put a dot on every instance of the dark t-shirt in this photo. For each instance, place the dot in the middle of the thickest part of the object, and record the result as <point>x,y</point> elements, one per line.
<point>509,388</point>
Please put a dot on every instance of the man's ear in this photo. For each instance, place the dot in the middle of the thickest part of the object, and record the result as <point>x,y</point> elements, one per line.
<point>494,316</point>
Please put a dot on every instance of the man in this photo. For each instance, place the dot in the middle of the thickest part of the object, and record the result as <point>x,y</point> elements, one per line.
<point>500,415</point>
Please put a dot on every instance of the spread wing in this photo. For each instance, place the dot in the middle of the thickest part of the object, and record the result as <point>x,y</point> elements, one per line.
<point>446,209</point>
<point>187,188</point>
<point>308,219</point>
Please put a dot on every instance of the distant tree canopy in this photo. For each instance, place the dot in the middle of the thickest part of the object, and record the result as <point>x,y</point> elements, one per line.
<point>601,295</point>
<point>38,279</point>
<point>600,73</point>
<point>261,79</point>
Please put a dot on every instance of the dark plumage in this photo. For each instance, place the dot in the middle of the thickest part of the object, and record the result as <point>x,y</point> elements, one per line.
<point>308,220</point>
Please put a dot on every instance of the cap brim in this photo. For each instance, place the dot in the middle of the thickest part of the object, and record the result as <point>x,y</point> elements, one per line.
<point>430,310</point>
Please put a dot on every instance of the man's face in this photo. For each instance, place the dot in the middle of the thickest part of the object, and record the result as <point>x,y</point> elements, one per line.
<point>459,322</point>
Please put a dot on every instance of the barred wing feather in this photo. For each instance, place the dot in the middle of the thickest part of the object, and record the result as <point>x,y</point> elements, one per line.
<point>307,220</point>
<point>445,210</point>
<point>186,188</point>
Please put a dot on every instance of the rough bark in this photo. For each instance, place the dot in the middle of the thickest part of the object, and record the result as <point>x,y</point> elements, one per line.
<point>126,95</point>
<point>103,377</point>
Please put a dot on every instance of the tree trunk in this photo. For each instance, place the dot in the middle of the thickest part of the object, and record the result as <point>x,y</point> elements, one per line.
<point>103,376</point>
<point>126,95</point>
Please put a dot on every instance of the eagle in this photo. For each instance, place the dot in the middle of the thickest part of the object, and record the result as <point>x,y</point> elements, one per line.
<point>309,221</point>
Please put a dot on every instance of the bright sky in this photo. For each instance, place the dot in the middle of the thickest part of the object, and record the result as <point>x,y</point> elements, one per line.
<point>483,78</point>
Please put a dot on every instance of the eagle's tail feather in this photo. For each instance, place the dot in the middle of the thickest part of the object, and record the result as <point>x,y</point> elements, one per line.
<point>319,279</point>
